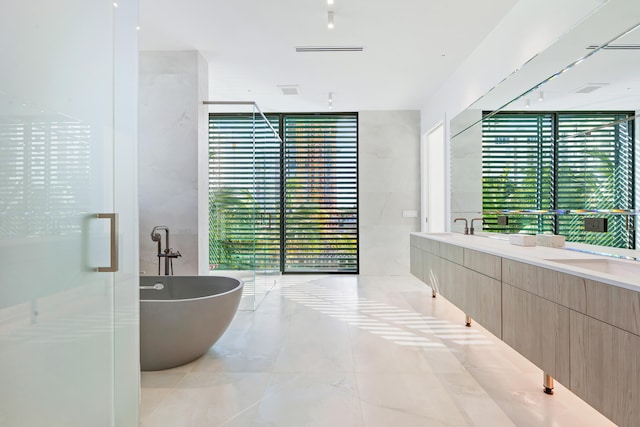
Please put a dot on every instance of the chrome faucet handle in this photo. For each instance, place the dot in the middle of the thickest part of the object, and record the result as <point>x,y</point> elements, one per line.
<point>466,224</point>
<point>475,219</point>
<point>169,253</point>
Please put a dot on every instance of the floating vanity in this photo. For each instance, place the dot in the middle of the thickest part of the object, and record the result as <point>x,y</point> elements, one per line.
<point>575,315</point>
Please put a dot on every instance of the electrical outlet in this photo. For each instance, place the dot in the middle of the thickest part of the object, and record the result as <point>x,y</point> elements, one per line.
<point>503,220</point>
<point>598,225</point>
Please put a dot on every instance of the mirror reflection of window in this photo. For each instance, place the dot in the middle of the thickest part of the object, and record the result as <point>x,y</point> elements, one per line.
<point>567,162</point>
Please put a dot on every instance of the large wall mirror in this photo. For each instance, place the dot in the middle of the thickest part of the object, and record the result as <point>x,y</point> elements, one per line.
<point>553,144</point>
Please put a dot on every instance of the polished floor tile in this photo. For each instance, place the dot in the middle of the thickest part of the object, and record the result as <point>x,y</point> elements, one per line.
<point>356,351</point>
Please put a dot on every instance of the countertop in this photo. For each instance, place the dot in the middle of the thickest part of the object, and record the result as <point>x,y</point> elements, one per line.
<point>626,272</point>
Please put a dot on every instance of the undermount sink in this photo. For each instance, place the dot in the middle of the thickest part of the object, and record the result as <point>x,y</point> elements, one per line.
<point>608,266</point>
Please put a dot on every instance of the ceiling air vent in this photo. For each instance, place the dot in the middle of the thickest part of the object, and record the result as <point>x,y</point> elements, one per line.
<point>616,47</point>
<point>590,87</point>
<point>289,89</point>
<point>329,49</point>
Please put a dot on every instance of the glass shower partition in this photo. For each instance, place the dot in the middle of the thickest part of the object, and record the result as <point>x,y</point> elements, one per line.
<point>244,196</point>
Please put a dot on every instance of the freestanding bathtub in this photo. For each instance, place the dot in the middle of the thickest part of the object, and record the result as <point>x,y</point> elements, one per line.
<point>183,317</point>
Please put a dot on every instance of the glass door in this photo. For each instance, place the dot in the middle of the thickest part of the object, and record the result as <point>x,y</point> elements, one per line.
<point>267,191</point>
<point>58,230</point>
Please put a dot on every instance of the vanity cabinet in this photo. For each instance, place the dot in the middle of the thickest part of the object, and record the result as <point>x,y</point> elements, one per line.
<point>538,329</point>
<point>604,368</point>
<point>582,332</point>
<point>469,279</point>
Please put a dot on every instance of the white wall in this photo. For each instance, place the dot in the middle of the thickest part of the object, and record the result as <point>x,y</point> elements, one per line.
<point>389,182</point>
<point>170,107</point>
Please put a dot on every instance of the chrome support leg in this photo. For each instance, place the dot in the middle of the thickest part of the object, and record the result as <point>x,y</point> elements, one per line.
<point>548,383</point>
<point>433,293</point>
<point>468,321</point>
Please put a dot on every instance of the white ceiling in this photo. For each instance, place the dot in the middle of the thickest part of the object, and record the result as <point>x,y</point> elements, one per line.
<point>410,47</point>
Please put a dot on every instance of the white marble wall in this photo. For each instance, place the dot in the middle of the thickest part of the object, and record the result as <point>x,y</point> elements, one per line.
<point>170,95</point>
<point>466,167</point>
<point>389,169</point>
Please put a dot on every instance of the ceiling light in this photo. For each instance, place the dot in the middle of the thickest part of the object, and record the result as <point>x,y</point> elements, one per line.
<point>330,100</point>
<point>541,96</point>
<point>115,4</point>
<point>329,2</point>
<point>330,23</point>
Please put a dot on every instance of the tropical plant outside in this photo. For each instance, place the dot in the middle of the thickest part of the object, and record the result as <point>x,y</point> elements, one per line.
<point>249,197</point>
<point>528,166</point>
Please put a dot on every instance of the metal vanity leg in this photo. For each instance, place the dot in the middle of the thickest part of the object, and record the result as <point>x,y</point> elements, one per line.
<point>433,293</point>
<point>548,383</point>
<point>468,321</point>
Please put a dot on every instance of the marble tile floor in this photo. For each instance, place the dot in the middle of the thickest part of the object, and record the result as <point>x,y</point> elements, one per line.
<point>357,351</point>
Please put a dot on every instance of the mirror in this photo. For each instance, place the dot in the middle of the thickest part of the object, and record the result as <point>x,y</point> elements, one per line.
<point>592,68</point>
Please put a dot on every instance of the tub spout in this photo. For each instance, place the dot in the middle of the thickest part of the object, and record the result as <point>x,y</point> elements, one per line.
<point>157,287</point>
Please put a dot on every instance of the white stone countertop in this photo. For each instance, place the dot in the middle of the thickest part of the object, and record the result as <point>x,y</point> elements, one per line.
<point>588,261</point>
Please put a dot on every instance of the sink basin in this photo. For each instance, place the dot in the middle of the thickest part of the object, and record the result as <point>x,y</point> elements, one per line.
<point>608,266</point>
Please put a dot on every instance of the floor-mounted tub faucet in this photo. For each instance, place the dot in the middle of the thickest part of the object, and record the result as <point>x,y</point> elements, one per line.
<point>168,253</point>
<point>466,224</point>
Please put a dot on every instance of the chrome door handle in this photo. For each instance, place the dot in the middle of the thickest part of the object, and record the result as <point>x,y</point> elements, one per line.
<point>113,221</point>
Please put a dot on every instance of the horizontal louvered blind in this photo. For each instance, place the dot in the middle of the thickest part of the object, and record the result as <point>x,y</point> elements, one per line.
<point>517,158</point>
<point>321,193</point>
<point>244,192</point>
<point>595,171</point>
<point>561,161</point>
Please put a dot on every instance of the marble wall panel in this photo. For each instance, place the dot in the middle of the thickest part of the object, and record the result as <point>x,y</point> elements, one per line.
<point>169,119</point>
<point>389,183</point>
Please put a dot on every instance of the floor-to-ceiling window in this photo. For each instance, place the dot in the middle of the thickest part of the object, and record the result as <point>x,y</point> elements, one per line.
<point>547,170</point>
<point>287,204</point>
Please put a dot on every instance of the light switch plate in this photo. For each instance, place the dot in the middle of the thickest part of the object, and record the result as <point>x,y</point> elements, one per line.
<point>409,214</point>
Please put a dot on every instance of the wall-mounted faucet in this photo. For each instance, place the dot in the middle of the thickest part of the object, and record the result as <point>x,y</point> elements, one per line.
<point>168,253</point>
<point>471,230</point>
<point>466,224</point>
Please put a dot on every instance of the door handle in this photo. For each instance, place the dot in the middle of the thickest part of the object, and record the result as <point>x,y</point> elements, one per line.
<point>113,242</point>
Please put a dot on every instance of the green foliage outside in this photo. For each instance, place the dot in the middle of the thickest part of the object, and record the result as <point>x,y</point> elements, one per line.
<point>232,223</point>
<point>245,217</point>
<point>593,172</point>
